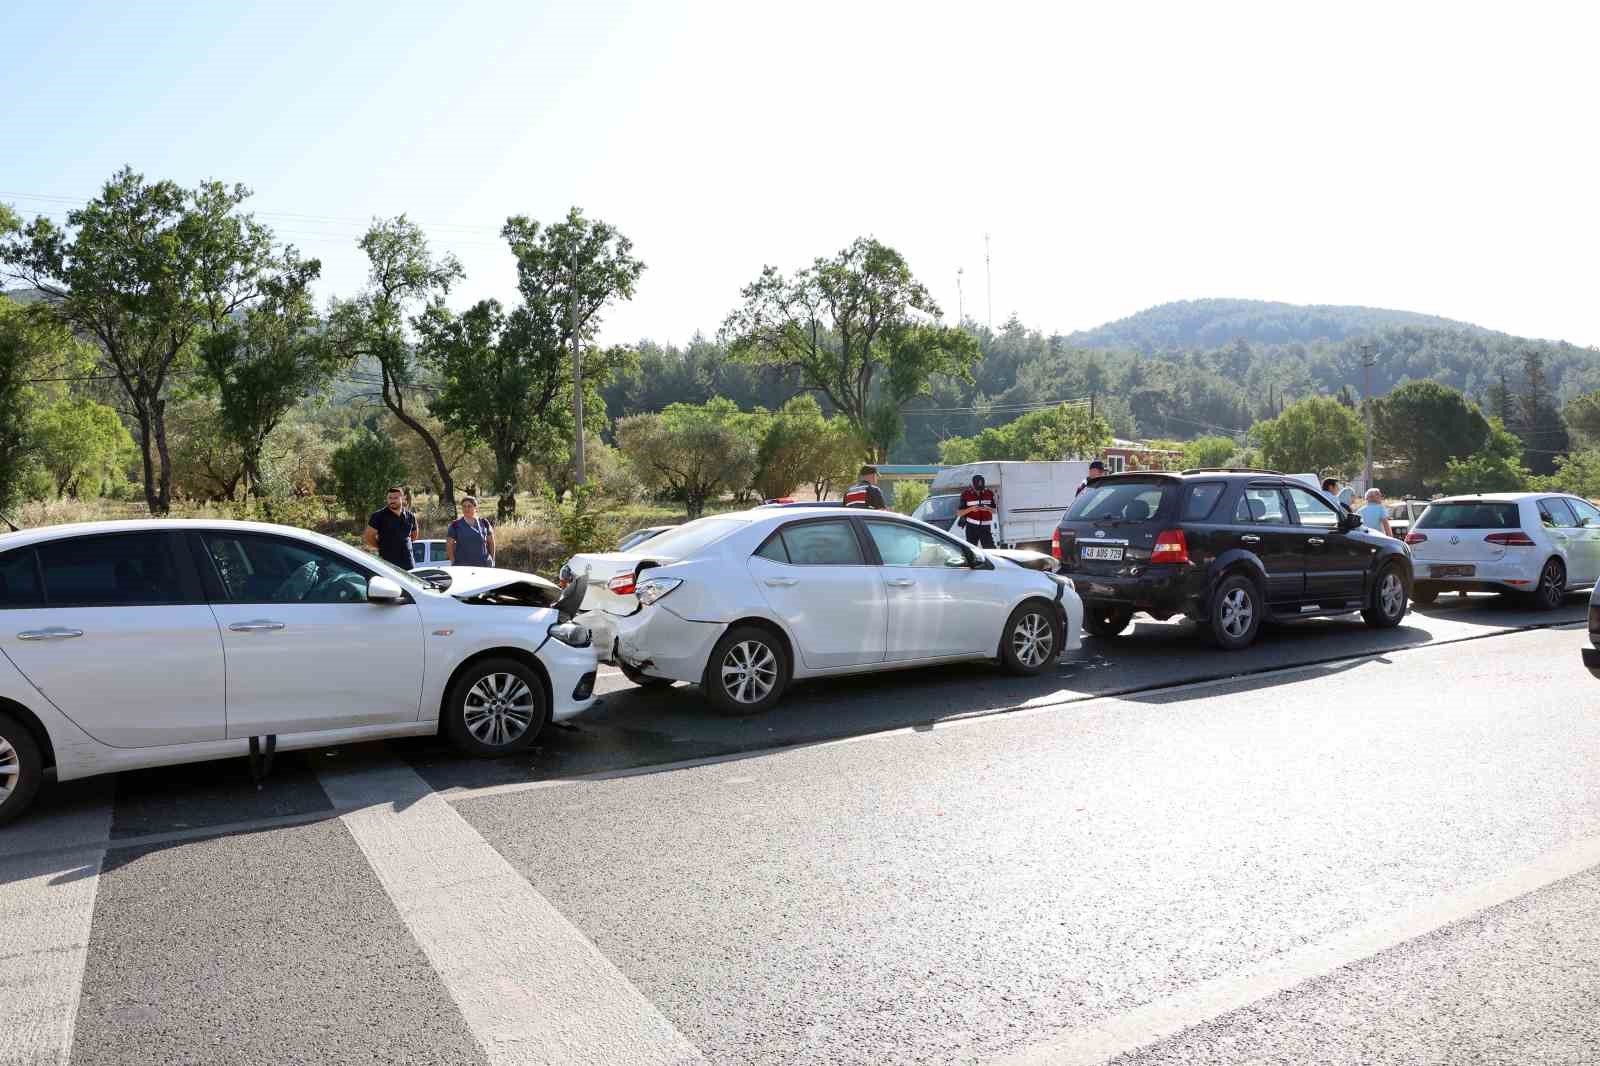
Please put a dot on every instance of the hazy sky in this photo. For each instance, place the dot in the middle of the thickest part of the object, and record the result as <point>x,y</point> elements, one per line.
<point>1432,157</point>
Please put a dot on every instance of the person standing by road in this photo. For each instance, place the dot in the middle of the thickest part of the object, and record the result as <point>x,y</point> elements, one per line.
<point>390,531</point>
<point>1375,515</point>
<point>1097,470</point>
<point>469,541</point>
<point>977,513</point>
<point>865,492</point>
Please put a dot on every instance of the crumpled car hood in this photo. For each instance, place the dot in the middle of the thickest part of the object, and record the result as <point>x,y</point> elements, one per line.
<point>469,581</point>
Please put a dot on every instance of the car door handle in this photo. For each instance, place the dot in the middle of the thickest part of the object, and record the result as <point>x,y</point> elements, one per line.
<point>899,582</point>
<point>782,582</point>
<point>1250,538</point>
<point>1315,541</point>
<point>52,633</point>
<point>260,625</point>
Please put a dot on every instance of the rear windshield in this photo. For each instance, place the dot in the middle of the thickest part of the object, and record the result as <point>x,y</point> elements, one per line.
<point>938,507</point>
<point>1123,501</point>
<point>1470,515</point>
<point>690,537</point>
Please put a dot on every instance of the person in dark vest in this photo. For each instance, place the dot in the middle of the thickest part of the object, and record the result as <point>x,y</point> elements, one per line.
<point>977,513</point>
<point>470,539</point>
<point>865,492</point>
<point>1097,470</point>
<point>390,531</point>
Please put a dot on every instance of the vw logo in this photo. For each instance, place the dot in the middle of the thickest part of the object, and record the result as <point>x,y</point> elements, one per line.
<point>1099,532</point>
<point>1455,540</point>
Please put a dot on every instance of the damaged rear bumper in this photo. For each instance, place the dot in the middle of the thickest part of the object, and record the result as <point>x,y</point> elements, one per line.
<point>654,641</point>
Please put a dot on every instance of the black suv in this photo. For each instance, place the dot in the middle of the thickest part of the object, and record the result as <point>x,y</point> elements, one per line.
<point>1227,548</point>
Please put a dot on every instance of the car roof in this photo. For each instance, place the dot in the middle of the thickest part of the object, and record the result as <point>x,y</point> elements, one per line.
<point>1498,497</point>
<point>40,534</point>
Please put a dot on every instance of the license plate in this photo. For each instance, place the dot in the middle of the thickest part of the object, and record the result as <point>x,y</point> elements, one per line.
<point>1451,571</point>
<point>1105,553</point>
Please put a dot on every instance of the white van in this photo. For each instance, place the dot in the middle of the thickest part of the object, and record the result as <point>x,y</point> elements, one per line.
<point>1030,499</point>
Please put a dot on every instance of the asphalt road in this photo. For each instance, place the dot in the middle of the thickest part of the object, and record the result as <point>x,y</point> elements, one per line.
<point>1341,846</point>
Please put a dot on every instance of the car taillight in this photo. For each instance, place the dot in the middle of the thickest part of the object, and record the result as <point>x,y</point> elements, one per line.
<point>1519,539</point>
<point>1416,538</point>
<point>1171,547</point>
<point>1055,544</point>
<point>622,584</point>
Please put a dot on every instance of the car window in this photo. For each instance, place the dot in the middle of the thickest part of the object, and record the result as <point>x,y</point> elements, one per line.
<point>1262,505</point>
<point>1556,514</point>
<point>1311,511</point>
<point>419,551</point>
<point>1471,514</point>
<point>1200,499</point>
<point>19,579</point>
<point>902,545</point>
<point>822,544</point>
<point>258,569</point>
<point>937,508</point>
<point>1123,501</point>
<point>121,570</point>
<point>773,549</point>
<point>1588,514</point>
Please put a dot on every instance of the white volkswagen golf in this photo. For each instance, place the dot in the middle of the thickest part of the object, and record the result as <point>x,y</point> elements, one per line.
<point>744,603</point>
<point>1541,545</point>
<point>135,644</point>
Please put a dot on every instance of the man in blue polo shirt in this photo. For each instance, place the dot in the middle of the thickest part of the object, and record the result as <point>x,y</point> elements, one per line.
<point>390,531</point>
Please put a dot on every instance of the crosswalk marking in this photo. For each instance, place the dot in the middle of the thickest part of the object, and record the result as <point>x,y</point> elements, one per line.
<point>46,910</point>
<point>531,987</point>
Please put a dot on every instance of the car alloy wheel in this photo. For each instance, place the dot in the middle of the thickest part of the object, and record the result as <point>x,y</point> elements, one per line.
<point>21,768</point>
<point>1238,612</point>
<point>749,672</point>
<point>1552,585</point>
<point>1033,639</point>
<point>10,769</point>
<point>1391,594</point>
<point>499,708</point>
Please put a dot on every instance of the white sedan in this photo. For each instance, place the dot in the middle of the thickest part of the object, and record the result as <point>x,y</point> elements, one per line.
<point>744,603</point>
<point>134,644</point>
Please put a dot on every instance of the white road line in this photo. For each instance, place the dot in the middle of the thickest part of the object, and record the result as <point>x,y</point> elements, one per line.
<point>531,987</point>
<point>46,911</point>
<point>1165,1018</point>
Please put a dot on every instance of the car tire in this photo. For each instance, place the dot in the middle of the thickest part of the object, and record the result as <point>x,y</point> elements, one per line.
<point>642,679</point>
<point>1388,600</point>
<point>1031,640</point>
<point>1423,593</point>
<point>21,768</point>
<point>747,672</point>
<point>1236,610</point>
<point>496,707</point>
<point>1552,590</point>
<point>1106,621</point>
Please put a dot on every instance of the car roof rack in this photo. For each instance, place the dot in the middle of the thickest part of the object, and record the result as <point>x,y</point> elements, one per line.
<point>1231,470</point>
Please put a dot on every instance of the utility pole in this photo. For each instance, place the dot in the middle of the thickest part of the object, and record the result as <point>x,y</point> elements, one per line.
<point>577,382</point>
<point>961,302</point>
<point>1369,358</point>
<point>988,277</point>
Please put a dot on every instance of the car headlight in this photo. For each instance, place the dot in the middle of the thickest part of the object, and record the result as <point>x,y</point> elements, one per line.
<point>652,589</point>
<point>572,634</point>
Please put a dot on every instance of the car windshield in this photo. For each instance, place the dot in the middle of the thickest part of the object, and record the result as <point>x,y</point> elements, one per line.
<point>1470,514</point>
<point>690,537</point>
<point>1121,501</point>
<point>936,507</point>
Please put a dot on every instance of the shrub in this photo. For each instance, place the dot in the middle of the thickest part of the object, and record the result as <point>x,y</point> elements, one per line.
<point>908,494</point>
<point>363,467</point>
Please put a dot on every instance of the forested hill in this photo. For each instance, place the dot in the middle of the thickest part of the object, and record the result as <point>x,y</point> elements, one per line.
<point>1190,324</point>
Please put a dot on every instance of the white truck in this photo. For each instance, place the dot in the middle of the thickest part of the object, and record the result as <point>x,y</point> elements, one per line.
<point>1030,499</point>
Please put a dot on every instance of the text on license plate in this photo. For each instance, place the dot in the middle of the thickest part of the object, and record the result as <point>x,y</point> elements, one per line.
<point>1450,571</point>
<point>1107,553</point>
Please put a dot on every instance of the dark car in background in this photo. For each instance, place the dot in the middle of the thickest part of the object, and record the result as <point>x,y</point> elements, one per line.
<point>1227,548</point>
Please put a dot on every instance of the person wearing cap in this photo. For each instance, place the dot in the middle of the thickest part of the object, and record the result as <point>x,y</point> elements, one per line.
<point>977,513</point>
<point>865,492</point>
<point>470,539</point>
<point>1097,470</point>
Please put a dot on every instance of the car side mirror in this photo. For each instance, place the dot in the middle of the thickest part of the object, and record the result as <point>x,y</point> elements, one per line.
<point>1348,521</point>
<point>384,590</point>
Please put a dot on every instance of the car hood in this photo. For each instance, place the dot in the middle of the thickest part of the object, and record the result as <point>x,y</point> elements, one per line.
<point>469,582</point>
<point>1031,559</point>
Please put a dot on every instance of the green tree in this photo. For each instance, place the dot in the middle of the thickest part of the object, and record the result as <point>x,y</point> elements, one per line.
<point>81,443</point>
<point>959,451</point>
<point>25,337</point>
<point>908,495</point>
<point>143,270</point>
<point>794,450</point>
<point>1209,451</point>
<point>363,468</point>
<point>692,452</point>
<point>1311,435</point>
<point>1426,424</point>
<point>1576,472</point>
<point>1064,432</point>
<point>567,273</point>
<point>403,277</point>
<point>858,328</point>
<point>207,463</point>
<point>1582,415</point>
<point>1496,467</point>
<point>265,361</point>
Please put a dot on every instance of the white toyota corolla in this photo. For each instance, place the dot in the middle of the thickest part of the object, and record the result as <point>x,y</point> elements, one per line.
<point>744,603</point>
<point>134,644</point>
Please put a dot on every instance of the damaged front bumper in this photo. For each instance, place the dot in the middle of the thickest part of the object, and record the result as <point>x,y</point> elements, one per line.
<point>654,641</point>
